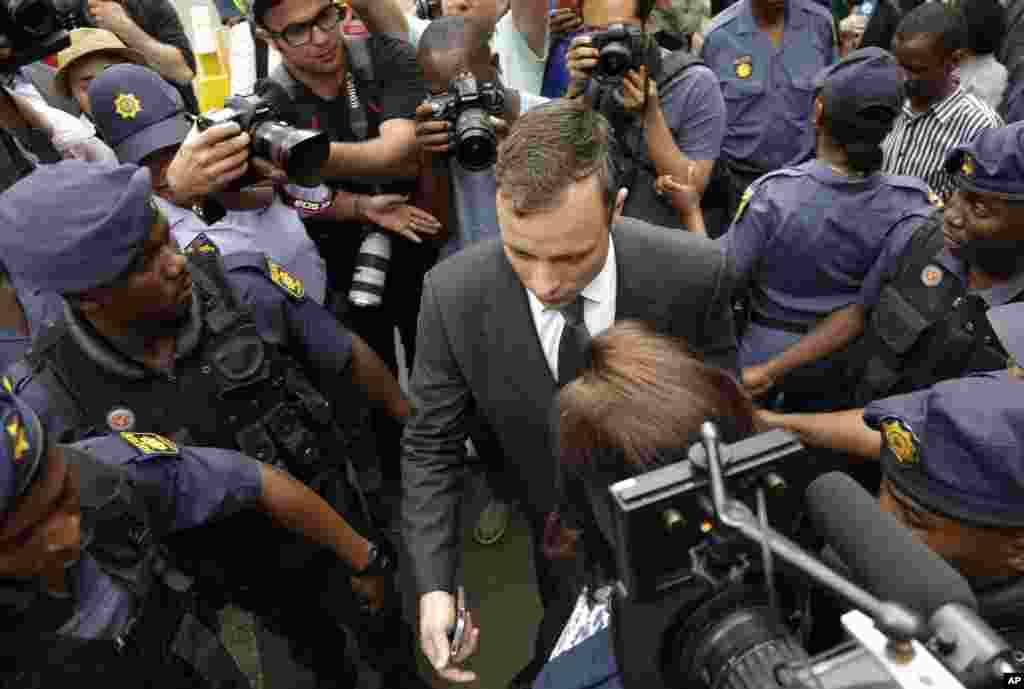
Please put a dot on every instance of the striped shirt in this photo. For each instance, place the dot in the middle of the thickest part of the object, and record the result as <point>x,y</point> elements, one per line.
<point>918,142</point>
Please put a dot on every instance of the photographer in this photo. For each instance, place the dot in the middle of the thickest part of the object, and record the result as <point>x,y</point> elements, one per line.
<point>666,110</point>
<point>363,93</point>
<point>952,469</point>
<point>452,49</point>
<point>638,406</point>
<point>85,603</point>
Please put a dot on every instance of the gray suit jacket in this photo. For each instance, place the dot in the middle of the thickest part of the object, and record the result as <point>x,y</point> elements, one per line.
<point>477,351</point>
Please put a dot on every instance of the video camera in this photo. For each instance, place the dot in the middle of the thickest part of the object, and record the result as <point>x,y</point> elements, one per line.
<point>301,153</point>
<point>696,606</point>
<point>32,30</point>
<point>469,107</point>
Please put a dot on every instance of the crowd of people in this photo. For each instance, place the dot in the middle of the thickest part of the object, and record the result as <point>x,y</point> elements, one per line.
<point>592,225</point>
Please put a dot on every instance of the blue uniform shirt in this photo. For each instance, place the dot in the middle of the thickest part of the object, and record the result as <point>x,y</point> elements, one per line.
<point>198,484</point>
<point>805,240</point>
<point>311,334</point>
<point>768,90</point>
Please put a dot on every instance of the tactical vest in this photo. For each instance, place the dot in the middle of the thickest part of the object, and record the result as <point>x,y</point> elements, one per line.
<point>921,331</point>
<point>235,390</point>
<point>163,638</point>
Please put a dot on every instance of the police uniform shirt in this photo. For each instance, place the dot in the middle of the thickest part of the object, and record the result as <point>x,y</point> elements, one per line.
<point>769,90</point>
<point>196,484</point>
<point>945,266</point>
<point>275,231</point>
<point>292,321</point>
<point>805,239</point>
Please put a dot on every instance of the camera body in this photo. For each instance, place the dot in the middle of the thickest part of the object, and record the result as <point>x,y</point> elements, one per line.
<point>428,9</point>
<point>469,106</point>
<point>301,153</point>
<point>32,29</point>
<point>621,47</point>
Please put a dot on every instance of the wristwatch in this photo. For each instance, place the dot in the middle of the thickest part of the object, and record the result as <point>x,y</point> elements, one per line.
<point>382,560</point>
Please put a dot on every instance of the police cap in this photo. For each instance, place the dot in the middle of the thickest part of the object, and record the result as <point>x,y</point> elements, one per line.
<point>991,163</point>
<point>137,112</point>
<point>73,226</point>
<point>21,448</point>
<point>862,95</point>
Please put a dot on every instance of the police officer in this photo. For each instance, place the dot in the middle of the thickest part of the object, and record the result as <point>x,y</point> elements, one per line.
<point>204,353</point>
<point>952,468</point>
<point>766,54</point>
<point>922,308</point>
<point>87,589</point>
<point>805,237</point>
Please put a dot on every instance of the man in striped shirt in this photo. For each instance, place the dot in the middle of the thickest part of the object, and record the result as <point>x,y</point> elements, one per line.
<point>937,114</point>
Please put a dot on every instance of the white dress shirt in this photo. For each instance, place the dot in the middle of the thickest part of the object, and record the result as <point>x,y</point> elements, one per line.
<point>598,310</point>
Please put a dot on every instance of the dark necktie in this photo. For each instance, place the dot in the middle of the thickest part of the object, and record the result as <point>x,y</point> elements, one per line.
<point>572,346</point>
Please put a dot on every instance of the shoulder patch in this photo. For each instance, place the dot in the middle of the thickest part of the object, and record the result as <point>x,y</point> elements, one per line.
<point>900,440</point>
<point>744,200</point>
<point>150,444</point>
<point>285,280</point>
<point>201,245</point>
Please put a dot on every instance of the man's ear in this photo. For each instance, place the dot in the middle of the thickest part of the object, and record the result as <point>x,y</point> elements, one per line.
<point>620,202</point>
<point>958,56</point>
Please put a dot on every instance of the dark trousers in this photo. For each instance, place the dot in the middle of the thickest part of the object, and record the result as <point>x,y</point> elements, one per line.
<point>556,583</point>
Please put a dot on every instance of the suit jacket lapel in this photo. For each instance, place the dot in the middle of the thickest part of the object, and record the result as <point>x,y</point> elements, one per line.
<point>509,328</point>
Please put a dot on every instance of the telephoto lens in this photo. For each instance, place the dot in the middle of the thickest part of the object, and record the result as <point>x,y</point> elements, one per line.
<point>371,270</point>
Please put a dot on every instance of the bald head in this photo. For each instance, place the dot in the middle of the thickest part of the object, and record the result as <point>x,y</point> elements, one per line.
<point>452,44</point>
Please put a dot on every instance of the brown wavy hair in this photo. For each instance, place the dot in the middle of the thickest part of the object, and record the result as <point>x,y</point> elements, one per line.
<point>642,401</point>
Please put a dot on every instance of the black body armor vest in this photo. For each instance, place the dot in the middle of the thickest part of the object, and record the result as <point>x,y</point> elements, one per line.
<point>235,390</point>
<point>919,335</point>
<point>163,645</point>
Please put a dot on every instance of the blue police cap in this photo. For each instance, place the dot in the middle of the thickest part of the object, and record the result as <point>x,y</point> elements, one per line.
<point>137,112</point>
<point>955,448</point>
<point>21,449</point>
<point>73,226</point>
<point>992,163</point>
<point>857,90</point>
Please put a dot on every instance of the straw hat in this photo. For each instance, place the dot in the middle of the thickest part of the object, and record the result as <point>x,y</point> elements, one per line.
<point>85,42</point>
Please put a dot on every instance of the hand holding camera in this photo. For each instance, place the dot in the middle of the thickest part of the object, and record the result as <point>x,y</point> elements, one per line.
<point>465,120</point>
<point>208,162</point>
<point>564,20</point>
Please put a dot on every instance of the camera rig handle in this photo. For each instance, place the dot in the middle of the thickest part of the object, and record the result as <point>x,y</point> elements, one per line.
<point>898,623</point>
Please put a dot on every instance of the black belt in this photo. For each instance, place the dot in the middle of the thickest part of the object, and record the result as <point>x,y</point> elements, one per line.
<point>775,324</point>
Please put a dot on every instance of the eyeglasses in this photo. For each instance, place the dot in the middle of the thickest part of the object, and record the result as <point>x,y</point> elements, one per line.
<point>299,34</point>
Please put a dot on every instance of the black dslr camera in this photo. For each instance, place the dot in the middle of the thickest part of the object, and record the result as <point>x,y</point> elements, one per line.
<point>299,152</point>
<point>469,107</point>
<point>621,48</point>
<point>428,9</point>
<point>32,30</point>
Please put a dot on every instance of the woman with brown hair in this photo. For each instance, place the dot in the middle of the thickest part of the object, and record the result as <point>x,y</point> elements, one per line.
<point>637,406</point>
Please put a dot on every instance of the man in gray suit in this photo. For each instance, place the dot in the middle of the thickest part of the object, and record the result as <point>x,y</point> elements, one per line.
<point>490,328</point>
